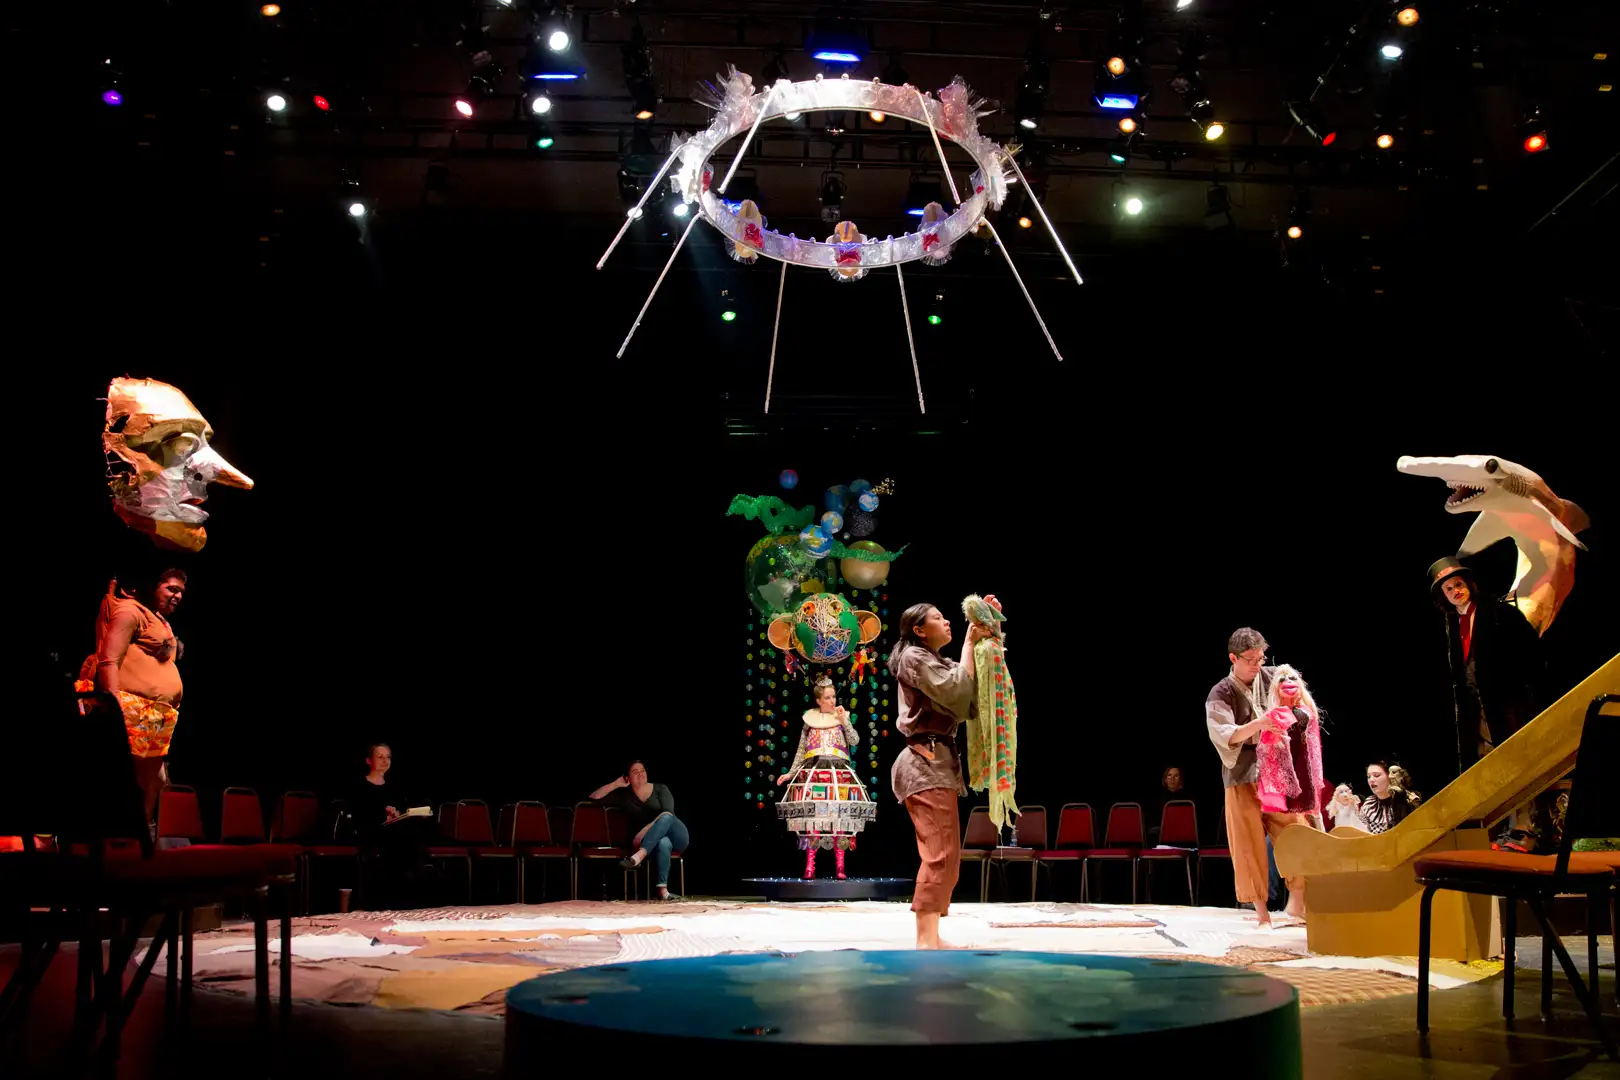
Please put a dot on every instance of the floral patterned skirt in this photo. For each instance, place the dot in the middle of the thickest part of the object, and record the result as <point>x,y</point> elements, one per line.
<point>826,804</point>
<point>149,724</point>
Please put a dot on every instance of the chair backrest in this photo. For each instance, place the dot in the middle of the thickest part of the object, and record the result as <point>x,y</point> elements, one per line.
<point>472,822</point>
<point>561,820</point>
<point>179,813</point>
<point>618,827</point>
<point>1178,824</point>
<point>1075,827</point>
<point>590,828</point>
<point>531,824</point>
<point>505,825</point>
<point>447,818</point>
<point>1029,830</point>
<point>241,818</point>
<point>1592,812</point>
<point>981,832</point>
<point>298,817</point>
<point>86,729</point>
<point>1124,825</point>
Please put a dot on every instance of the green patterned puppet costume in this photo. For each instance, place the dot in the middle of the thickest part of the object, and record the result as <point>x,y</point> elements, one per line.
<point>992,731</point>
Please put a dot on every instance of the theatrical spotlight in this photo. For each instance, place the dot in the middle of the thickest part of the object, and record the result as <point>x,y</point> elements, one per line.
<point>1407,16</point>
<point>275,103</point>
<point>1119,151</point>
<point>629,187</point>
<point>1127,125</point>
<point>1031,100</point>
<point>479,90</point>
<point>773,72</point>
<point>936,309</point>
<point>1127,204</point>
<point>1533,131</point>
<point>542,138</point>
<point>923,190</point>
<point>679,209</point>
<point>1309,117</point>
<point>638,74</point>
<point>832,196</point>
<point>834,41</point>
<point>111,95</point>
<point>539,103</point>
<point>1385,140</point>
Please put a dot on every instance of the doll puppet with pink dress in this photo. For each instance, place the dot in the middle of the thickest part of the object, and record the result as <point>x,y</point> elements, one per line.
<point>1290,761</point>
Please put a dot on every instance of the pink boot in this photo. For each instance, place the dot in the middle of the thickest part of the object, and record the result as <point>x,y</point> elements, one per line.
<point>838,858</point>
<point>810,861</point>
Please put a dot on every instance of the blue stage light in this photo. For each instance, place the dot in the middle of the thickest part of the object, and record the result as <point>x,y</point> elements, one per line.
<point>1117,101</point>
<point>558,76</point>
<point>833,57</point>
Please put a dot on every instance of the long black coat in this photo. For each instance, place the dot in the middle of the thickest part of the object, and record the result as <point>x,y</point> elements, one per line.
<point>1500,677</point>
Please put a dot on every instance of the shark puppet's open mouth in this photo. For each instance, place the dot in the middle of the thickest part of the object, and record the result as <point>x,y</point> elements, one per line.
<point>1463,493</point>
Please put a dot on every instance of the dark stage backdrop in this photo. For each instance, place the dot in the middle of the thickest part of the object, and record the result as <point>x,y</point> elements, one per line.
<point>520,587</point>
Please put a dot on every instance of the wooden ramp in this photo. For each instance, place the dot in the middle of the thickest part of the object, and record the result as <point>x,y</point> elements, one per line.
<point>1360,892</point>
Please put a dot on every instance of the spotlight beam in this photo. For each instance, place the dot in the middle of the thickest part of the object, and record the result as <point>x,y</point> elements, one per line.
<point>905,309</point>
<point>642,314</point>
<point>770,373</point>
<point>1039,209</point>
<point>635,211</point>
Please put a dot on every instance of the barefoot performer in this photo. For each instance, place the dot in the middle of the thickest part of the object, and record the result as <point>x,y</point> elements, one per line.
<point>1235,714</point>
<point>936,696</point>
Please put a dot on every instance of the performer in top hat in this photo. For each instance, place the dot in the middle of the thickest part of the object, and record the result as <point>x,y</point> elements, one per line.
<point>1494,657</point>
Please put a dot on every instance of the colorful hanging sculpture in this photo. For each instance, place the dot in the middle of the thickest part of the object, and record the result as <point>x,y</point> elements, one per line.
<point>992,734</point>
<point>159,463</point>
<point>824,628</point>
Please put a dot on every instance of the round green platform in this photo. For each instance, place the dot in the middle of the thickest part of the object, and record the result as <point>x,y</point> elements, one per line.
<point>906,1010</point>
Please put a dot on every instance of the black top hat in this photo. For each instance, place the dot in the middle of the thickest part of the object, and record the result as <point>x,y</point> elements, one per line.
<point>1441,569</point>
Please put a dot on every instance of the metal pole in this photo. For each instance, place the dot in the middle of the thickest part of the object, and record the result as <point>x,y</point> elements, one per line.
<point>770,375</point>
<point>656,284</point>
<point>635,211</point>
<point>1041,210</point>
<point>1033,310</point>
<point>905,309</point>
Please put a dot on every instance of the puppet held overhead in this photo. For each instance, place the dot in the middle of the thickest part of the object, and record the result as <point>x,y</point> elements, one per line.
<point>1513,502</point>
<point>159,463</point>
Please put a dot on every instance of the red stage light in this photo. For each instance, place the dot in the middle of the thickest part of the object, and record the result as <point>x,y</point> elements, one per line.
<point>322,104</point>
<point>1327,140</point>
<point>464,107</point>
<point>1535,143</point>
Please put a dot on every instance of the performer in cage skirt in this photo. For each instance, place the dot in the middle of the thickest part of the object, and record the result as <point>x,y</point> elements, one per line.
<point>825,804</point>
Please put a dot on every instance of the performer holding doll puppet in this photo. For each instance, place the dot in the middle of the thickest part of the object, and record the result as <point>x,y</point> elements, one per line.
<point>825,804</point>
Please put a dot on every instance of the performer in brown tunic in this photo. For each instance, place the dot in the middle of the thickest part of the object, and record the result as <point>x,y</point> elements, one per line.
<point>936,696</point>
<point>136,660</point>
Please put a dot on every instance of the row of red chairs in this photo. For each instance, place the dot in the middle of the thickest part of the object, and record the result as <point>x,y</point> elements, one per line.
<point>1124,840</point>
<point>527,830</point>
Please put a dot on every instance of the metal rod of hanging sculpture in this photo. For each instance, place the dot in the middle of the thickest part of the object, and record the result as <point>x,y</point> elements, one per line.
<point>1041,210</point>
<point>951,114</point>
<point>776,330</point>
<point>634,213</point>
<point>905,310</point>
<point>1008,158</point>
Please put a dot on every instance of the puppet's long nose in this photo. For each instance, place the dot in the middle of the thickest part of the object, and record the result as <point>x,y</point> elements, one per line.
<point>224,472</point>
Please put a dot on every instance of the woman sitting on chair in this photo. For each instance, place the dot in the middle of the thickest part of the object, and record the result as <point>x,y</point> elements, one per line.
<point>651,810</point>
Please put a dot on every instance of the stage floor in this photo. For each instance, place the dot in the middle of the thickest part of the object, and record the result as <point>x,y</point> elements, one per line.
<point>465,959</point>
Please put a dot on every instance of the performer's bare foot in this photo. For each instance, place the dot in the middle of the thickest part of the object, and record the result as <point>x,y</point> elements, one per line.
<point>1263,917</point>
<point>1295,913</point>
<point>928,931</point>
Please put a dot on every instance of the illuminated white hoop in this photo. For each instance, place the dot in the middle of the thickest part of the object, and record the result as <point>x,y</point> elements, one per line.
<point>951,115</point>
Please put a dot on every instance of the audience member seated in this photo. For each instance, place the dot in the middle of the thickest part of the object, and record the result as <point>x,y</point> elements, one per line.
<point>651,811</point>
<point>396,845</point>
<point>1390,801</point>
<point>1172,787</point>
<point>1344,810</point>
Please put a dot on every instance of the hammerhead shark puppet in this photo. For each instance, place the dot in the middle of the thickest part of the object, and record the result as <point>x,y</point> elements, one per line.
<point>1513,502</point>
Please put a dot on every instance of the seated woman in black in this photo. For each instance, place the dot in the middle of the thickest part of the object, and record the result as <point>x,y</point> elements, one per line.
<point>651,810</point>
<point>396,856</point>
